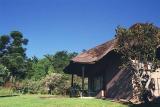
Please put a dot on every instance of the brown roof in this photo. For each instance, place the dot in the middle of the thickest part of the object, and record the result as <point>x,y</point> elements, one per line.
<point>96,53</point>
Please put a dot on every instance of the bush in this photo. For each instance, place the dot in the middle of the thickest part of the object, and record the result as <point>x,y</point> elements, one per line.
<point>3,74</point>
<point>27,87</point>
<point>6,92</point>
<point>56,84</point>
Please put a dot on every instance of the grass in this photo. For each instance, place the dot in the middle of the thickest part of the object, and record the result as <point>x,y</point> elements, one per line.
<point>44,101</point>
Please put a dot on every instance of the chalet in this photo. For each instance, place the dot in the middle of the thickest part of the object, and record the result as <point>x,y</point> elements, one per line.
<point>101,65</point>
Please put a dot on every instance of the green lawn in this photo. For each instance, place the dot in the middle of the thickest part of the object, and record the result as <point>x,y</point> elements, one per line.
<point>43,101</point>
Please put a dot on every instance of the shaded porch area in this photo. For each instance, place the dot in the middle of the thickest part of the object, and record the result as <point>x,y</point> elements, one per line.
<point>97,74</point>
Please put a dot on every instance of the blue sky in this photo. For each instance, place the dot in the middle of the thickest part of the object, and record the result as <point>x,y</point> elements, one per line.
<point>72,25</point>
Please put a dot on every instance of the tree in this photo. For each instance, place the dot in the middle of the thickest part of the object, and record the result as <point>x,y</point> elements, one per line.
<point>40,68</point>
<point>60,60</point>
<point>12,54</point>
<point>139,44</point>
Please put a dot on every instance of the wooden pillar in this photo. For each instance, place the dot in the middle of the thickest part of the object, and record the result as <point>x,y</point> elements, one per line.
<point>83,71</point>
<point>72,80</point>
<point>71,91</point>
<point>89,86</point>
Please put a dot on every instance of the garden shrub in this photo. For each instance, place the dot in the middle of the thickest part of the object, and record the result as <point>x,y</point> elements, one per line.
<point>27,87</point>
<point>5,91</point>
<point>54,83</point>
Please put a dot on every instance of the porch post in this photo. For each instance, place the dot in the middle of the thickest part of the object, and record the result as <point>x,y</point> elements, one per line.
<point>71,90</point>
<point>83,71</point>
<point>72,80</point>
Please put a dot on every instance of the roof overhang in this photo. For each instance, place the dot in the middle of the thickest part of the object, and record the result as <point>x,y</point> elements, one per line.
<point>90,57</point>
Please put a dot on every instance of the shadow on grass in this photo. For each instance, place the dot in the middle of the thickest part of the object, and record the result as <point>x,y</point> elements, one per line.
<point>52,96</point>
<point>8,96</point>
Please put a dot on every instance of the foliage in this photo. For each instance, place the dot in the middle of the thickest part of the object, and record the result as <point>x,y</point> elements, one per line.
<point>28,87</point>
<point>4,73</point>
<point>60,60</point>
<point>42,74</point>
<point>53,83</point>
<point>139,41</point>
<point>5,92</point>
<point>12,54</point>
<point>40,68</point>
<point>32,75</point>
<point>56,83</point>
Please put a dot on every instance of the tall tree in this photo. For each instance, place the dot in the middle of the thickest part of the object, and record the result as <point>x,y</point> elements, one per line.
<point>12,54</point>
<point>139,44</point>
<point>60,60</point>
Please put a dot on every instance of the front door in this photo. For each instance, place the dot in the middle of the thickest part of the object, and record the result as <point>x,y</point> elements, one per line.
<point>95,84</point>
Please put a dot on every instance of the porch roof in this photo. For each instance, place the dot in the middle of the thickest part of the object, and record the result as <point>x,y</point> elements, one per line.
<point>90,58</point>
<point>95,54</point>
